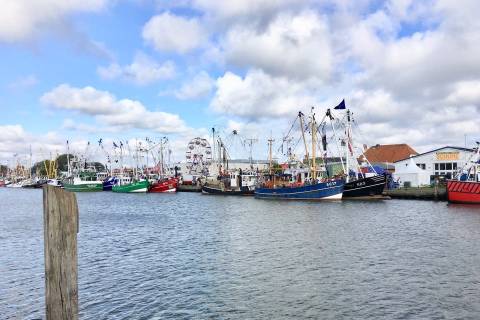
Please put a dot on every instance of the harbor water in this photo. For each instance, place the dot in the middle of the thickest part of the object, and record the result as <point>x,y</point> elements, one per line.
<point>191,256</point>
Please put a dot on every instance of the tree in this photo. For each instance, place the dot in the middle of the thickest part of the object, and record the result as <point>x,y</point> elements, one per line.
<point>3,170</point>
<point>62,161</point>
<point>40,168</point>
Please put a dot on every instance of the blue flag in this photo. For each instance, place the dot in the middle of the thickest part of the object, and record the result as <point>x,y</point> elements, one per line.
<point>341,105</point>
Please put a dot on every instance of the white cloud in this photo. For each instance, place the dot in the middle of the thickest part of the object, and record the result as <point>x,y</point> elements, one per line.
<point>23,82</point>
<point>15,144</point>
<point>168,32</point>
<point>465,93</point>
<point>297,46</point>
<point>21,19</point>
<point>86,100</point>
<point>200,86</point>
<point>109,111</point>
<point>143,70</point>
<point>245,9</point>
<point>259,95</point>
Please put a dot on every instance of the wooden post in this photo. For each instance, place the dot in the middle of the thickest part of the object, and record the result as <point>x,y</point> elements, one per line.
<point>60,223</point>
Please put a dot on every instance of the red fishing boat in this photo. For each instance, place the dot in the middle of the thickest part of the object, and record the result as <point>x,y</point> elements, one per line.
<point>164,185</point>
<point>463,191</point>
<point>466,187</point>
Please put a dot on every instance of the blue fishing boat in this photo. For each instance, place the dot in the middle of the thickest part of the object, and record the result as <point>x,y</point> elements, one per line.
<point>300,180</point>
<point>329,190</point>
<point>109,183</point>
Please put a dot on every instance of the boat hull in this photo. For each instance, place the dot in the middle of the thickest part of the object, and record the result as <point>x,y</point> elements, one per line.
<point>164,186</point>
<point>331,190</point>
<point>134,187</point>
<point>463,191</point>
<point>365,187</point>
<point>84,187</point>
<point>244,191</point>
<point>109,183</point>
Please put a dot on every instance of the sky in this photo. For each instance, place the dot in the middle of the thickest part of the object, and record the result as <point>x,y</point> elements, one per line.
<point>81,70</point>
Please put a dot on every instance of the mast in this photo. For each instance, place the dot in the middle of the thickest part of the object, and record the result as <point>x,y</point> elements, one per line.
<point>214,150</point>
<point>300,116</point>
<point>250,142</point>
<point>314,147</point>
<point>161,157</point>
<point>68,160</point>
<point>30,163</point>
<point>347,158</point>
<point>270,143</point>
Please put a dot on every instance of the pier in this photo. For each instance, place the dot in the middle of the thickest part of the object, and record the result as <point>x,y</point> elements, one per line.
<point>436,193</point>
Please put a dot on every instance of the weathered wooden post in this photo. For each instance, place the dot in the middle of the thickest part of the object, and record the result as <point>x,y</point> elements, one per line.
<point>60,223</point>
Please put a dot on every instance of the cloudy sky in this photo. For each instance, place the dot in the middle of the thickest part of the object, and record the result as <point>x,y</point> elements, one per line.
<point>119,69</point>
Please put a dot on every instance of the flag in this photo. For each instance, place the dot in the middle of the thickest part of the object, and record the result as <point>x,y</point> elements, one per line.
<point>115,145</point>
<point>329,114</point>
<point>341,105</point>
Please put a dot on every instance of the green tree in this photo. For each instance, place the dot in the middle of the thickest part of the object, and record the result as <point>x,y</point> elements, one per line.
<point>62,161</point>
<point>3,170</point>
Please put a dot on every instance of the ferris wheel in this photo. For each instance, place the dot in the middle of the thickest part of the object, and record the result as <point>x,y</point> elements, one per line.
<point>198,155</point>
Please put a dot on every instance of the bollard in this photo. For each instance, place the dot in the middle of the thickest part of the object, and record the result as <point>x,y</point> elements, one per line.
<point>60,225</point>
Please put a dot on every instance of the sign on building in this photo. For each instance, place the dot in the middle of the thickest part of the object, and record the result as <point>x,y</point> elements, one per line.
<point>448,156</point>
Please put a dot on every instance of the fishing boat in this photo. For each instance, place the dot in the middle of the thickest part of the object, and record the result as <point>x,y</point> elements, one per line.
<point>300,182</point>
<point>237,183</point>
<point>365,187</point>
<point>164,185</point>
<point>84,181</point>
<point>328,190</point>
<point>129,185</point>
<point>465,187</point>
<point>358,184</point>
<point>109,182</point>
<point>54,183</point>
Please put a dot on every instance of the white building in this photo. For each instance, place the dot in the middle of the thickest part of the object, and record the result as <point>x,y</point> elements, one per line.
<point>439,162</point>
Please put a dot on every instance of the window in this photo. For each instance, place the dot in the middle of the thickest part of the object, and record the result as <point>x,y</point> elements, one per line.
<point>454,166</point>
<point>436,166</point>
<point>442,166</point>
<point>448,166</point>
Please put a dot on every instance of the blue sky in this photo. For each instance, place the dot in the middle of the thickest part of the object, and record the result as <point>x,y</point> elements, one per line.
<point>123,69</point>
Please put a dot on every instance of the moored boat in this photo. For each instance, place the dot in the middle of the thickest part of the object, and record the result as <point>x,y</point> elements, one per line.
<point>84,182</point>
<point>132,187</point>
<point>328,190</point>
<point>358,183</point>
<point>465,187</point>
<point>463,191</point>
<point>164,185</point>
<point>54,183</point>
<point>109,183</point>
<point>236,183</point>
<point>365,187</point>
<point>301,180</point>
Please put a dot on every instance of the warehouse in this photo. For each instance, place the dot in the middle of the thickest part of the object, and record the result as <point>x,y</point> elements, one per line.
<point>442,162</point>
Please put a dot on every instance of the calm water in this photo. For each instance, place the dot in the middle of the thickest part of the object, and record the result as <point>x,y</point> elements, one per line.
<point>188,256</point>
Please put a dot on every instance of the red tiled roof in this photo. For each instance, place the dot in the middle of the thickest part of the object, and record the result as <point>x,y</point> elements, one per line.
<point>388,153</point>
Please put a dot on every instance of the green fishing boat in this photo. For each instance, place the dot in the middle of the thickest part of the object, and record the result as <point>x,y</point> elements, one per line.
<point>83,182</point>
<point>134,186</point>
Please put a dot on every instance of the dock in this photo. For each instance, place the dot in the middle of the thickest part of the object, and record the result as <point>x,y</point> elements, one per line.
<point>437,193</point>
<point>189,188</point>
